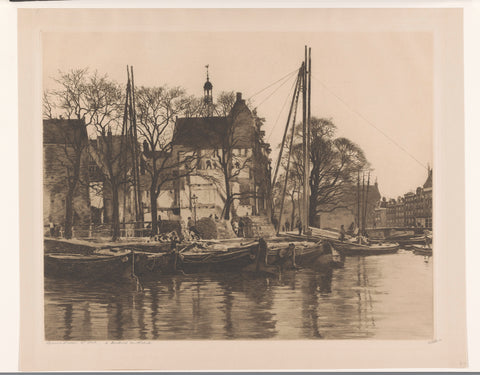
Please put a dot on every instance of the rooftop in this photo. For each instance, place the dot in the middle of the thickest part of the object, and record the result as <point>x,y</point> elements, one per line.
<point>61,131</point>
<point>200,132</point>
<point>428,182</point>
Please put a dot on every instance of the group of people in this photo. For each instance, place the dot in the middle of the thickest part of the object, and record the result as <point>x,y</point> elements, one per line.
<point>188,231</point>
<point>238,227</point>
<point>287,226</point>
<point>54,229</point>
<point>353,231</point>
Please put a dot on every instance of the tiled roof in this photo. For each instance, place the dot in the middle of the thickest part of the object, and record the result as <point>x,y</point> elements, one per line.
<point>59,131</point>
<point>200,132</point>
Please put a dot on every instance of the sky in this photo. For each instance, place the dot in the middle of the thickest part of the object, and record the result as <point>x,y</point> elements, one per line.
<point>377,87</point>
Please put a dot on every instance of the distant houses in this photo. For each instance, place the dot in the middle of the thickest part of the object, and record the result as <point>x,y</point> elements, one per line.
<point>346,212</point>
<point>411,210</point>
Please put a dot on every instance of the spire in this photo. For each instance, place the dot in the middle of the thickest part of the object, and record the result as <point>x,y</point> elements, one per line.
<point>429,182</point>
<point>207,95</point>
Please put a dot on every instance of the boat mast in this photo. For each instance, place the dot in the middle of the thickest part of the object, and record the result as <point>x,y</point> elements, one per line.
<point>296,94</point>
<point>358,200</point>
<point>309,82</point>
<point>365,207</point>
<point>305,146</point>
<point>363,200</point>
<point>137,155</point>
<point>131,144</point>
<point>124,147</point>
<point>286,128</point>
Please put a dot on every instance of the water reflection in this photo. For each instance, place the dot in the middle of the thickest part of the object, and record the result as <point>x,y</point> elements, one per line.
<point>380,297</point>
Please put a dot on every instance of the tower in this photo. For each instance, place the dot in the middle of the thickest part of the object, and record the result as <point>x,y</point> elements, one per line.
<point>207,96</point>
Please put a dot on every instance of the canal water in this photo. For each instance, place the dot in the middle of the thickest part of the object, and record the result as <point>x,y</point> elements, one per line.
<point>375,297</point>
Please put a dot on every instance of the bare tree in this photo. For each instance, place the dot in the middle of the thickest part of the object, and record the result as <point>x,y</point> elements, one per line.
<point>157,108</point>
<point>98,101</point>
<point>335,163</point>
<point>194,107</point>
<point>48,107</point>
<point>110,150</point>
<point>69,98</point>
<point>292,191</point>
<point>68,102</point>
<point>225,103</point>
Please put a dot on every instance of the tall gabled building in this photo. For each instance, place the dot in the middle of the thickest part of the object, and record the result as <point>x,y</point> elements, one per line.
<point>210,138</point>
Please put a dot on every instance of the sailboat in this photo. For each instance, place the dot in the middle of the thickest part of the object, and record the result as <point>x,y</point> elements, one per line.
<point>424,248</point>
<point>305,250</point>
<point>280,252</point>
<point>360,245</point>
<point>315,243</point>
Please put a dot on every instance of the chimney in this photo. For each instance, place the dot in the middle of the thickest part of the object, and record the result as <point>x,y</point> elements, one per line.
<point>239,96</point>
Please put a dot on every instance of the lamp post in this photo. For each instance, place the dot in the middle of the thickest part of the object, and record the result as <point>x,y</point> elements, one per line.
<point>194,202</point>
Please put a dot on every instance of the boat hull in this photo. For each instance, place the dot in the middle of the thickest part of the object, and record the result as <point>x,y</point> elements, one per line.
<point>308,253</point>
<point>349,249</point>
<point>411,241</point>
<point>151,265</point>
<point>92,267</point>
<point>421,250</point>
<point>217,261</point>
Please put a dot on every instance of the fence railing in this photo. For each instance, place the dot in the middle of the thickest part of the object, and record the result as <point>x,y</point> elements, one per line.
<point>127,230</point>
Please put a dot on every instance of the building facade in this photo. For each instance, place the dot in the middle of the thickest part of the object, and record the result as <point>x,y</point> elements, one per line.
<point>193,185</point>
<point>63,141</point>
<point>414,209</point>
<point>206,149</point>
<point>381,214</point>
<point>228,150</point>
<point>112,159</point>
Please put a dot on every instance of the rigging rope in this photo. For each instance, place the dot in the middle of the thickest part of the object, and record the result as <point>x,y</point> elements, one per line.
<point>272,84</point>
<point>294,98</point>
<point>273,92</point>
<point>287,168</point>
<point>371,124</point>
<point>281,110</point>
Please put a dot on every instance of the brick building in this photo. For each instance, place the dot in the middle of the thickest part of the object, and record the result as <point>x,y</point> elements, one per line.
<point>206,137</point>
<point>414,208</point>
<point>201,192</point>
<point>424,202</point>
<point>396,212</point>
<point>61,137</point>
<point>381,214</point>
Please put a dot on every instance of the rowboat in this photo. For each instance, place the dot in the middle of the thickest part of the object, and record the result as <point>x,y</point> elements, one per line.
<point>422,250</point>
<point>154,264</point>
<point>257,256</point>
<point>311,252</point>
<point>407,242</point>
<point>352,249</point>
<point>209,256</point>
<point>101,264</point>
